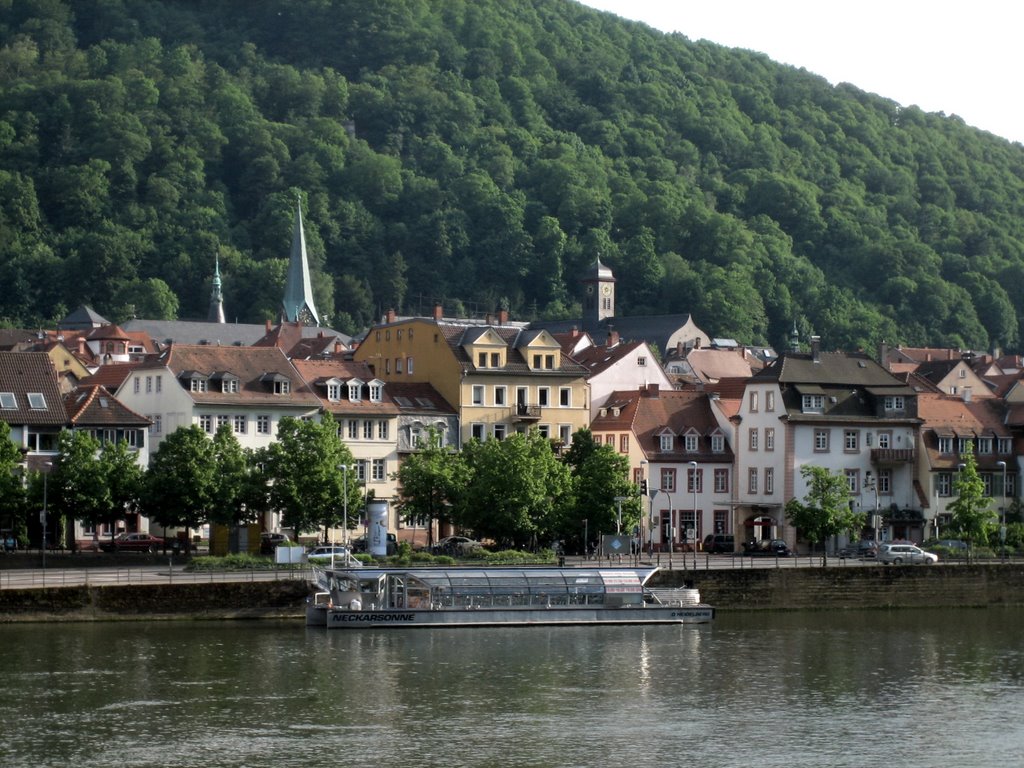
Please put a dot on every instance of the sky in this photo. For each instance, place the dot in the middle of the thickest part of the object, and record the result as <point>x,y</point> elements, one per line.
<point>959,58</point>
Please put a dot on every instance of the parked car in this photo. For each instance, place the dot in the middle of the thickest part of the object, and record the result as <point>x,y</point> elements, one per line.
<point>720,542</point>
<point>270,541</point>
<point>864,549</point>
<point>456,546</point>
<point>766,548</point>
<point>133,542</point>
<point>896,554</point>
<point>333,554</point>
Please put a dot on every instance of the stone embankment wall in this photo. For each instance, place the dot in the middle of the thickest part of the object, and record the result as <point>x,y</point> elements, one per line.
<point>229,600</point>
<point>751,589</point>
<point>874,586</point>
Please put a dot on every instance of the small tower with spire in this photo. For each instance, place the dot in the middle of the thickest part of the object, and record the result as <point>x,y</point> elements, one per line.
<point>216,314</point>
<point>298,306</point>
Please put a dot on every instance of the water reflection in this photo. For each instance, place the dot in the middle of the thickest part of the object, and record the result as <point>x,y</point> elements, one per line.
<point>782,689</point>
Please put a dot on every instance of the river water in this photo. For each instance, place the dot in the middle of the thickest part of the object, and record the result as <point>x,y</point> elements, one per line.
<point>875,688</point>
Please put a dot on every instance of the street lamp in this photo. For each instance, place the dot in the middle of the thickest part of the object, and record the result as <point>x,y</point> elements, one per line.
<point>643,492</point>
<point>1002,512</point>
<point>871,483</point>
<point>693,543</point>
<point>42,515</point>
<point>344,474</point>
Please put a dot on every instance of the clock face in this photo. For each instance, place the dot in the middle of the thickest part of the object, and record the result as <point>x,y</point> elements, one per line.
<point>606,289</point>
<point>590,290</point>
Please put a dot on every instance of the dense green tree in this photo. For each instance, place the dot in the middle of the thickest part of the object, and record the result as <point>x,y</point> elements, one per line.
<point>12,489</point>
<point>972,513</point>
<point>181,481</point>
<point>600,474</point>
<point>825,510</point>
<point>77,485</point>
<point>431,480</point>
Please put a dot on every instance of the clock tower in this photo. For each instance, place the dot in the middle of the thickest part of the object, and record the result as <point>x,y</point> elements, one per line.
<point>598,294</point>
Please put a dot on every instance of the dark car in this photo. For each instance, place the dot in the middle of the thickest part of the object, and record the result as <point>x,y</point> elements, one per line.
<point>766,548</point>
<point>271,541</point>
<point>133,542</point>
<point>360,546</point>
<point>719,542</point>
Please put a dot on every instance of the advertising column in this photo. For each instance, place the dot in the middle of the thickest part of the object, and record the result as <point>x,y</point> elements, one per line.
<point>377,538</point>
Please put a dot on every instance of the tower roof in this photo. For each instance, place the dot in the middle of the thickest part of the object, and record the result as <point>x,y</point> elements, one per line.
<point>298,291</point>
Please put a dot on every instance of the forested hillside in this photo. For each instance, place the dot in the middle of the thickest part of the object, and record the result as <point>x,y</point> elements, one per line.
<point>483,152</point>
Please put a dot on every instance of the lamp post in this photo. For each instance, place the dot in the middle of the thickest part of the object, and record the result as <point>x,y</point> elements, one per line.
<point>643,493</point>
<point>693,543</point>
<point>344,474</point>
<point>871,483</point>
<point>42,515</point>
<point>1002,514</point>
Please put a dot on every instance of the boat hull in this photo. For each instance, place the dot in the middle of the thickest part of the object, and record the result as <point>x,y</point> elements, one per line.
<point>520,617</point>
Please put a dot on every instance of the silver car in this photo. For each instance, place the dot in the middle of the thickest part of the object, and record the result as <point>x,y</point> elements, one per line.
<point>905,553</point>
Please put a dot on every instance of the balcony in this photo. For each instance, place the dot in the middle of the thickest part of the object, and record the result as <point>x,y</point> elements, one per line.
<point>527,412</point>
<point>887,457</point>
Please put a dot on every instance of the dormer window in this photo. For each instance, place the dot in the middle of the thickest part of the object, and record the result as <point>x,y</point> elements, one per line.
<point>665,443</point>
<point>198,385</point>
<point>690,442</point>
<point>354,393</point>
<point>279,383</point>
<point>376,392</point>
<point>334,391</point>
<point>813,403</point>
<point>718,443</point>
<point>894,403</point>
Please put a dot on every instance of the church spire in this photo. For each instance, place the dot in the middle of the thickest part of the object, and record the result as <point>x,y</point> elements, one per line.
<point>216,314</point>
<point>298,303</point>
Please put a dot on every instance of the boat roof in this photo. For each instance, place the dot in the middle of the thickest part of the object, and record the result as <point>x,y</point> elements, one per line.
<point>508,579</point>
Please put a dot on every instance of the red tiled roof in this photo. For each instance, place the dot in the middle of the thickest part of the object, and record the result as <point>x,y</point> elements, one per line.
<point>94,406</point>
<point>30,373</point>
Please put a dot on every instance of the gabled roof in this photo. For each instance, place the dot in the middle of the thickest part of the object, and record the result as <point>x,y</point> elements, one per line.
<point>455,333</point>
<point>164,332</point>
<point>110,376</point>
<point>598,359</point>
<point>25,377</point>
<point>950,416</point>
<point>254,367</point>
<point>831,368</point>
<point>81,319</point>
<point>94,406</point>
<point>316,374</point>
<point>713,364</point>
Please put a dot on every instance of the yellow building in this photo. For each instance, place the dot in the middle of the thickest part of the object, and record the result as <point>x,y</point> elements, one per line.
<point>500,376</point>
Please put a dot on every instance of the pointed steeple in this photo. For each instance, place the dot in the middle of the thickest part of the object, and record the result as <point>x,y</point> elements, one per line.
<point>298,303</point>
<point>216,314</point>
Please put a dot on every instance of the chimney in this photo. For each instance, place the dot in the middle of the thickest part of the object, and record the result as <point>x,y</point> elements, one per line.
<point>502,317</point>
<point>267,326</point>
<point>337,347</point>
<point>488,319</point>
<point>816,349</point>
<point>651,390</point>
<point>883,354</point>
<point>613,339</point>
<point>967,394</point>
<point>574,333</point>
<point>438,313</point>
<point>390,317</point>
<point>679,350</point>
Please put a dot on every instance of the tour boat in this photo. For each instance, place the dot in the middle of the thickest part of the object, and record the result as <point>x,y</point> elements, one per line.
<point>371,597</point>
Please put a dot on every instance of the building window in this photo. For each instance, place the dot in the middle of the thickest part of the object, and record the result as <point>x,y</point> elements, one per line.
<point>609,440</point>
<point>378,470</point>
<point>159,383</point>
<point>565,397</point>
<point>984,445</point>
<point>565,434</point>
<point>387,366</point>
<point>853,480</point>
<point>477,431</point>
<point>367,429</point>
<point>945,444</point>
<point>944,484</point>
<point>361,471</point>
<point>543,395</point>
<point>641,361</point>
<point>481,360</point>
<point>752,480</point>
<point>229,386</point>
<point>136,385</point>
<point>690,442</point>
<point>353,429</point>
<point>223,420</point>
<point>206,423</point>
<point>263,425</point>
<point>499,431</point>
<point>884,439</point>
<point>894,403</point>
<point>522,395</point>
<point>398,365</point>
<point>769,401</point>
<point>752,436</point>
<point>753,401</point>
<point>149,384</point>
<point>851,441</point>
<point>495,360</point>
<point>718,443</point>
<point>382,430</point>
<point>821,440</point>
<point>721,480</point>
<point>668,480</point>
<point>196,385</point>
<point>665,443</point>
<point>987,480</point>
<point>408,365</point>
<point>499,395</point>
<point>769,480</point>
<point>624,443</point>
<point>239,424</point>
<point>376,393</point>
<point>963,445</point>
<point>769,438</point>
<point>282,387</point>
<point>813,403</point>
<point>544,430</point>
<point>694,480</point>
<point>354,392</point>
<point>885,481</point>
<point>334,391</point>
<point>478,394</point>
<point>1004,446</point>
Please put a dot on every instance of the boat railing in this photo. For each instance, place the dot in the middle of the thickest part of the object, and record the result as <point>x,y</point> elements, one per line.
<point>673,595</point>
